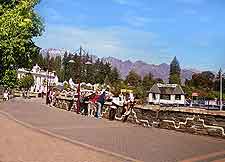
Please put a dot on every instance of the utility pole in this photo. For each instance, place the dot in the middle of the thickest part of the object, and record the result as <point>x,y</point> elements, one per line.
<point>79,78</point>
<point>221,89</point>
<point>47,74</point>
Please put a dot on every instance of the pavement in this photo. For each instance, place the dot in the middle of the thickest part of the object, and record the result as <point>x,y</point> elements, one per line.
<point>122,141</point>
<point>21,144</point>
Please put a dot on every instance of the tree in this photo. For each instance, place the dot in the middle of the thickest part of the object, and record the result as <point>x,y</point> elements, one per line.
<point>204,80</point>
<point>18,25</point>
<point>26,82</point>
<point>217,83</point>
<point>114,75</point>
<point>10,78</point>
<point>175,71</point>
<point>148,82</point>
<point>202,83</point>
<point>133,79</point>
<point>107,80</point>
<point>159,80</point>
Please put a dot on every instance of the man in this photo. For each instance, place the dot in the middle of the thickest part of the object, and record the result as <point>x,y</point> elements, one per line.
<point>5,96</point>
<point>100,103</point>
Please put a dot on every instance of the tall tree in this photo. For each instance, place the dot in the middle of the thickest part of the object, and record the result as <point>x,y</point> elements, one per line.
<point>133,79</point>
<point>114,75</point>
<point>217,83</point>
<point>148,81</point>
<point>175,71</point>
<point>18,25</point>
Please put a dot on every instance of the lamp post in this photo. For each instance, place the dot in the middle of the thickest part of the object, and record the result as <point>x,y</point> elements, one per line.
<point>47,74</point>
<point>221,89</point>
<point>47,86</point>
<point>79,77</point>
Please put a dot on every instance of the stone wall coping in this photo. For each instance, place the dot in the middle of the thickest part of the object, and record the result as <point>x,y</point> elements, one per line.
<point>64,98</point>
<point>193,110</point>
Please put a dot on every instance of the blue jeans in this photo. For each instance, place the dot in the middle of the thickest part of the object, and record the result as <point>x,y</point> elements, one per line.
<point>99,109</point>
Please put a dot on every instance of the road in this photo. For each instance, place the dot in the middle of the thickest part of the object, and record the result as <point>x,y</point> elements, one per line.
<point>132,141</point>
<point>21,144</point>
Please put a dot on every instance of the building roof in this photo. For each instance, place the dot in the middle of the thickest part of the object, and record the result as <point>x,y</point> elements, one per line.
<point>171,89</point>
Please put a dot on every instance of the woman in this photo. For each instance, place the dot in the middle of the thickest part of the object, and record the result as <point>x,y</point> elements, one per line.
<point>92,104</point>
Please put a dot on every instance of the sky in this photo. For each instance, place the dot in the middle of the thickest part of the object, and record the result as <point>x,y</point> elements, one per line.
<point>153,31</point>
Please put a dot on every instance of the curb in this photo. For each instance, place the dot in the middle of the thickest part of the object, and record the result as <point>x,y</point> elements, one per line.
<point>63,138</point>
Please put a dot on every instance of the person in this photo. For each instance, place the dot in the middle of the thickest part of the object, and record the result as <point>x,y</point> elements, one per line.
<point>100,103</point>
<point>42,93</point>
<point>92,104</point>
<point>49,96</point>
<point>6,96</point>
<point>83,104</point>
<point>112,111</point>
<point>130,105</point>
<point>52,98</point>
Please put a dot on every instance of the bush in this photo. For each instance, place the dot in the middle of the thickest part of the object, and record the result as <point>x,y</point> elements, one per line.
<point>26,82</point>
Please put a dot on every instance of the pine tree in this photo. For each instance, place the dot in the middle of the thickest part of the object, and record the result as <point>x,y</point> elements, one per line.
<point>148,81</point>
<point>133,79</point>
<point>175,72</point>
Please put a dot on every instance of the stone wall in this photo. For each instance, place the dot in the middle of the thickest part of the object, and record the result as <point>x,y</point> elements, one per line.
<point>191,120</point>
<point>64,103</point>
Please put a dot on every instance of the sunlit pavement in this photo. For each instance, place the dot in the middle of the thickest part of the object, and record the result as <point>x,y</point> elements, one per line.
<point>21,144</point>
<point>146,144</point>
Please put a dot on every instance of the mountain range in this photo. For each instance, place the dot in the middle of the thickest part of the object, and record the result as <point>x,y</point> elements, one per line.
<point>142,68</point>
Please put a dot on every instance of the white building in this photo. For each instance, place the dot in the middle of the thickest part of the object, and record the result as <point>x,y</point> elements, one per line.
<point>166,94</point>
<point>40,78</point>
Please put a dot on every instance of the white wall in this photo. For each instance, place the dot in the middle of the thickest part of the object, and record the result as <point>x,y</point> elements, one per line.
<point>39,77</point>
<point>161,101</point>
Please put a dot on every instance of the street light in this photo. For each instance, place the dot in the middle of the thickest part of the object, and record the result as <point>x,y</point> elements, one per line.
<point>47,87</point>
<point>78,88</point>
<point>47,75</point>
<point>221,89</point>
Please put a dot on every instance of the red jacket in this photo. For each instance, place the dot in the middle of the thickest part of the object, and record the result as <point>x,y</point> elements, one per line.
<point>94,99</point>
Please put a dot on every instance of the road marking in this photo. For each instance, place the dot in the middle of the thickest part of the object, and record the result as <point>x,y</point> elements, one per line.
<point>97,149</point>
<point>220,160</point>
<point>205,157</point>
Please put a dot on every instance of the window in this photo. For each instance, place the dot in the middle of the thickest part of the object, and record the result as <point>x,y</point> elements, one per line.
<point>165,97</point>
<point>177,97</point>
<point>154,96</point>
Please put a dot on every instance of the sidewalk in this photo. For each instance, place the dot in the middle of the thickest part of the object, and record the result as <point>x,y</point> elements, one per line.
<point>20,144</point>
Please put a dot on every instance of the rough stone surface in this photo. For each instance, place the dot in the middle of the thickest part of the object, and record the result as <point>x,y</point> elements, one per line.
<point>203,122</point>
<point>191,120</point>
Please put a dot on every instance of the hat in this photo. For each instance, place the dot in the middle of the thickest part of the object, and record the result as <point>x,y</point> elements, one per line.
<point>117,102</point>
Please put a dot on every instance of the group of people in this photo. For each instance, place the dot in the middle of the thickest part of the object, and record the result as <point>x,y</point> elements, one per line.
<point>91,104</point>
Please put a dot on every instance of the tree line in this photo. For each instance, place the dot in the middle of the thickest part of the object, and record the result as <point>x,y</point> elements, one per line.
<point>79,67</point>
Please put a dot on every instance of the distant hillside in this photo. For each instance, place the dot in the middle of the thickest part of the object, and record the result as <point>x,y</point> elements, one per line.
<point>142,68</point>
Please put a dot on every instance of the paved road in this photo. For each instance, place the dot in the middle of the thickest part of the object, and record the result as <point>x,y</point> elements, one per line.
<point>33,146</point>
<point>146,144</point>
